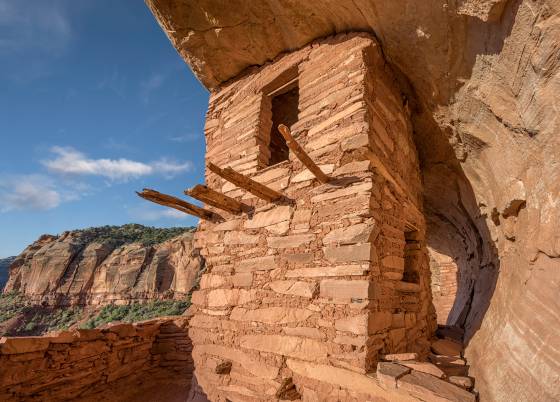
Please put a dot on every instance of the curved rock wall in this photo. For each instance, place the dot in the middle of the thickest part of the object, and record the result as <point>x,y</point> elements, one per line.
<point>69,269</point>
<point>481,78</point>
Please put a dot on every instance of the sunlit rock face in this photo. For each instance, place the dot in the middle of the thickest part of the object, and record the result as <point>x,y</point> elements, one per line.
<point>70,269</point>
<point>482,81</point>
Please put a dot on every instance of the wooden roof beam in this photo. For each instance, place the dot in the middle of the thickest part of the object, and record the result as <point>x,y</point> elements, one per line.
<point>302,155</point>
<point>177,203</point>
<point>244,182</point>
<point>216,199</point>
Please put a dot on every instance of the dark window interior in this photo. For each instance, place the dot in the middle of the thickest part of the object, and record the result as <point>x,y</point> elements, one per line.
<point>284,111</point>
<point>411,255</point>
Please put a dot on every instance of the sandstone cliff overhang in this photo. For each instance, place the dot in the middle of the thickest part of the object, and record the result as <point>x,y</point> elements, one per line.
<point>429,40</point>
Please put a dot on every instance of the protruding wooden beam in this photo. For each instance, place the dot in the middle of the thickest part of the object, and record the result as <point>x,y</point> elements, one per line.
<point>215,198</point>
<point>252,186</point>
<point>174,202</point>
<point>302,155</point>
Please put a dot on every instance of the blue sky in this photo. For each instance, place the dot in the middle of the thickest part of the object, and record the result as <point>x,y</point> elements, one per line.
<point>95,103</point>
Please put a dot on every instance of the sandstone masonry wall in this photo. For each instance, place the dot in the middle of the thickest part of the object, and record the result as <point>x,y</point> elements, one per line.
<point>444,285</point>
<point>116,363</point>
<point>315,289</point>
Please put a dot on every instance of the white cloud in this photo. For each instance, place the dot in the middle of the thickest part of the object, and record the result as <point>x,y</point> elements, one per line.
<point>33,33</point>
<point>70,161</point>
<point>33,24</point>
<point>148,213</point>
<point>170,168</point>
<point>150,85</point>
<point>32,192</point>
<point>186,137</point>
<point>113,81</point>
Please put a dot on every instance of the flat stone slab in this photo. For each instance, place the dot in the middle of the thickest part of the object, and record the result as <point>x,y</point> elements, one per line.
<point>447,347</point>
<point>424,367</point>
<point>389,373</point>
<point>439,359</point>
<point>429,388</point>
<point>454,370</point>
<point>26,344</point>
<point>462,381</point>
<point>395,357</point>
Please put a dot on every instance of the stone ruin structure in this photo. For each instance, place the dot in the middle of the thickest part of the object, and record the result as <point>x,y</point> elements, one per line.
<point>331,274</point>
<point>313,233</point>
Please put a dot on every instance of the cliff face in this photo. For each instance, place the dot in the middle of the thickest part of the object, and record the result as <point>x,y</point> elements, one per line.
<point>78,268</point>
<point>481,78</point>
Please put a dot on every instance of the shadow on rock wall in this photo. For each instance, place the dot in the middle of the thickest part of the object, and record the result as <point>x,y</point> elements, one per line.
<point>457,228</point>
<point>457,222</point>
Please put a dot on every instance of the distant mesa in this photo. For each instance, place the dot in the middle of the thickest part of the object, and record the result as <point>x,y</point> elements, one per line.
<point>4,270</point>
<point>98,265</point>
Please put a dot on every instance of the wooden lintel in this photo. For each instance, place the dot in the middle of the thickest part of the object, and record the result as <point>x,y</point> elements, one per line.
<point>302,155</point>
<point>176,203</point>
<point>252,186</point>
<point>215,198</point>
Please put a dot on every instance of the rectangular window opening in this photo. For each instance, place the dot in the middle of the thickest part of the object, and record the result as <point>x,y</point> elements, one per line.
<point>411,257</point>
<point>284,103</point>
<point>280,106</point>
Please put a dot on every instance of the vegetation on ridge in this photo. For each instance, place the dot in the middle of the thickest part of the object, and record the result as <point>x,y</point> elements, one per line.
<point>137,312</point>
<point>11,305</point>
<point>30,319</point>
<point>131,233</point>
<point>20,318</point>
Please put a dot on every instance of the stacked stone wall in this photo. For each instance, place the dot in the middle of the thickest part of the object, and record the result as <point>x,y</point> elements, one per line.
<point>312,288</point>
<point>444,285</point>
<point>132,362</point>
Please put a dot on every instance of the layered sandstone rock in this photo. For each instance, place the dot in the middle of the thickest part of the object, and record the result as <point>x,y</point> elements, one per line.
<point>75,268</point>
<point>481,78</point>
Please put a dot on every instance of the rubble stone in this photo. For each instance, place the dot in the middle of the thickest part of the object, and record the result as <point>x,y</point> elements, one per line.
<point>429,388</point>
<point>389,373</point>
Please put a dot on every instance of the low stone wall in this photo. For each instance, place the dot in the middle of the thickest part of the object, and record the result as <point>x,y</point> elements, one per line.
<point>119,362</point>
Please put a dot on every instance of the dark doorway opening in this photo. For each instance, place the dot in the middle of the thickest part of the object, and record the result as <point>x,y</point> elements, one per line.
<point>411,255</point>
